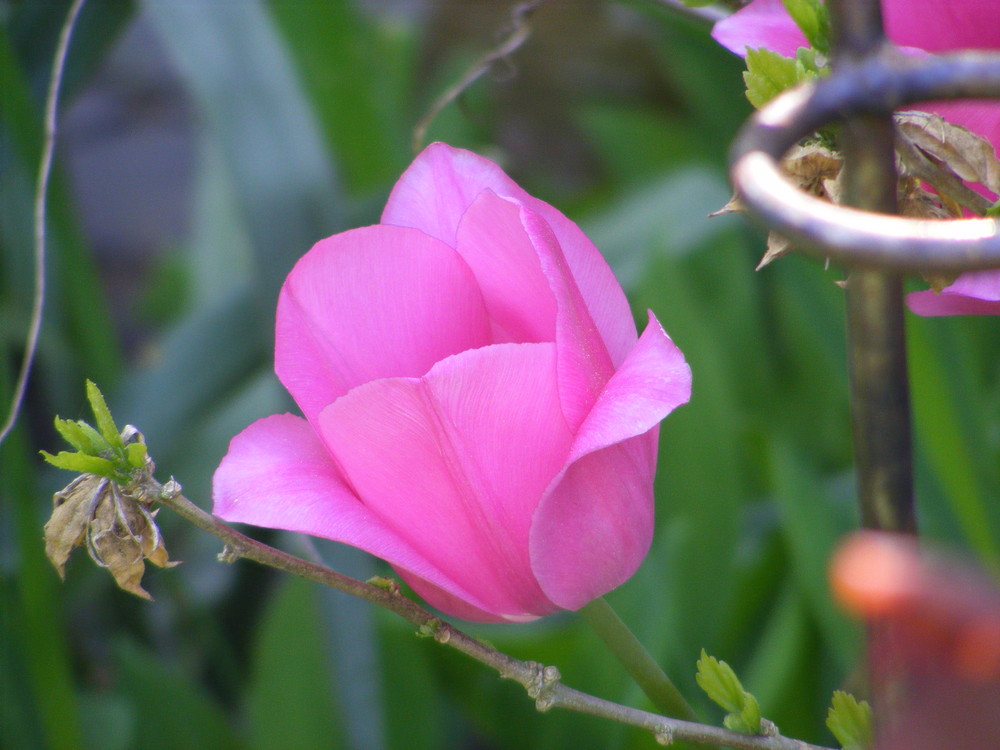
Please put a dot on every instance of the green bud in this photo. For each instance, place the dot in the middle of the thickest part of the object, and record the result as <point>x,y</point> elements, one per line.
<point>81,463</point>
<point>386,584</point>
<point>135,454</point>
<point>768,73</point>
<point>721,684</point>
<point>102,415</point>
<point>82,436</point>
<point>850,720</point>
<point>104,452</point>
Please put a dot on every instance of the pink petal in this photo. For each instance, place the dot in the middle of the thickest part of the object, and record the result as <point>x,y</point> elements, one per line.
<point>457,461</point>
<point>652,382</point>
<point>942,25</point>
<point>593,528</point>
<point>530,290</point>
<point>442,183</point>
<point>976,293</point>
<point>520,304</point>
<point>945,26</point>
<point>583,363</point>
<point>372,303</point>
<point>762,23</point>
<point>278,475</point>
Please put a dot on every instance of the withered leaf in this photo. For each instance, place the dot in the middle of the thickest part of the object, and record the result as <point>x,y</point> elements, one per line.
<point>118,529</point>
<point>810,166</point>
<point>968,155</point>
<point>814,169</point>
<point>73,509</point>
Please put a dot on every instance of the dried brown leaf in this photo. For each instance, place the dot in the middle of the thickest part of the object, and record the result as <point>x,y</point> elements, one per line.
<point>119,530</point>
<point>122,556</point>
<point>810,166</point>
<point>968,155</point>
<point>917,202</point>
<point>814,169</point>
<point>73,509</point>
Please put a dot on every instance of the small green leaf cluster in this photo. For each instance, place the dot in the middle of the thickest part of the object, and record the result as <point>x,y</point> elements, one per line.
<point>768,73</point>
<point>850,720</point>
<point>102,450</point>
<point>721,684</point>
<point>813,19</point>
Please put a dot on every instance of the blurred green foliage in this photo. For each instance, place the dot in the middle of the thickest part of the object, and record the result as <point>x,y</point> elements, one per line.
<point>621,114</point>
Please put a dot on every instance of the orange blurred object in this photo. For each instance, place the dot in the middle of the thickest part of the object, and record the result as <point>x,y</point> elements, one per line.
<point>935,642</point>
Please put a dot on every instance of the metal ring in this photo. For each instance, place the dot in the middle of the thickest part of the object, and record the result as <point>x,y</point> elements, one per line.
<point>878,84</point>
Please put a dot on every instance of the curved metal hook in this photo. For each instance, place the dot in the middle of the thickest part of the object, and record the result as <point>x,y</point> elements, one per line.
<point>880,83</point>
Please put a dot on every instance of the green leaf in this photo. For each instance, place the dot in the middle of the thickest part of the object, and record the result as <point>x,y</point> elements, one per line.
<point>38,702</point>
<point>805,61</point>
<point>813,516</point>
<point>994,210</point>
<point>850,720</point>
<point>105,423</point>
<point>135,453</point>
<point>290,702</point>
<point>749,715</point>
<point>721,684</point>
<point>81,463</point>
<point>168,702</point>
<point>767,75</point>
<point>82,436</point>
<point>811,16</point>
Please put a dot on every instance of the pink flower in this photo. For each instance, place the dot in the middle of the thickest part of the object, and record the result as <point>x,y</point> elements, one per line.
<point>479,411</point>
<point>929,25</point>
<point>976,293</point>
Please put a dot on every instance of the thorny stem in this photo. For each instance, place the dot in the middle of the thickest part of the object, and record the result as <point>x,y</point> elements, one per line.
<point>40,205</point>
<point>880,392</point>
<point>541,682</point>
<point>880,398</point>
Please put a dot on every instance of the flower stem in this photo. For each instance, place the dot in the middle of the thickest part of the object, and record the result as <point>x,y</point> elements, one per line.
<point>636,659</point>
<point>541,682</point>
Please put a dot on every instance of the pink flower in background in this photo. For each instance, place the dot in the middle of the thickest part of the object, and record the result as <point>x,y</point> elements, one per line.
<point>479,411</point>
<point>976,293</point>
<point>929,25</point>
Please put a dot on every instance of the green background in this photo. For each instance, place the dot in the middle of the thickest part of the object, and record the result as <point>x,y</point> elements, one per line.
<point>296,119</point>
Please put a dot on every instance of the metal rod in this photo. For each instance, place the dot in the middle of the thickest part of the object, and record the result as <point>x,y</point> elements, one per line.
<point>876,343</point>
<point>886,80</point>
<point>880,396</point>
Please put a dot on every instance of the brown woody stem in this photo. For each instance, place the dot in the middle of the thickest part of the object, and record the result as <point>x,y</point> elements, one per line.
<point>541,682</point>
